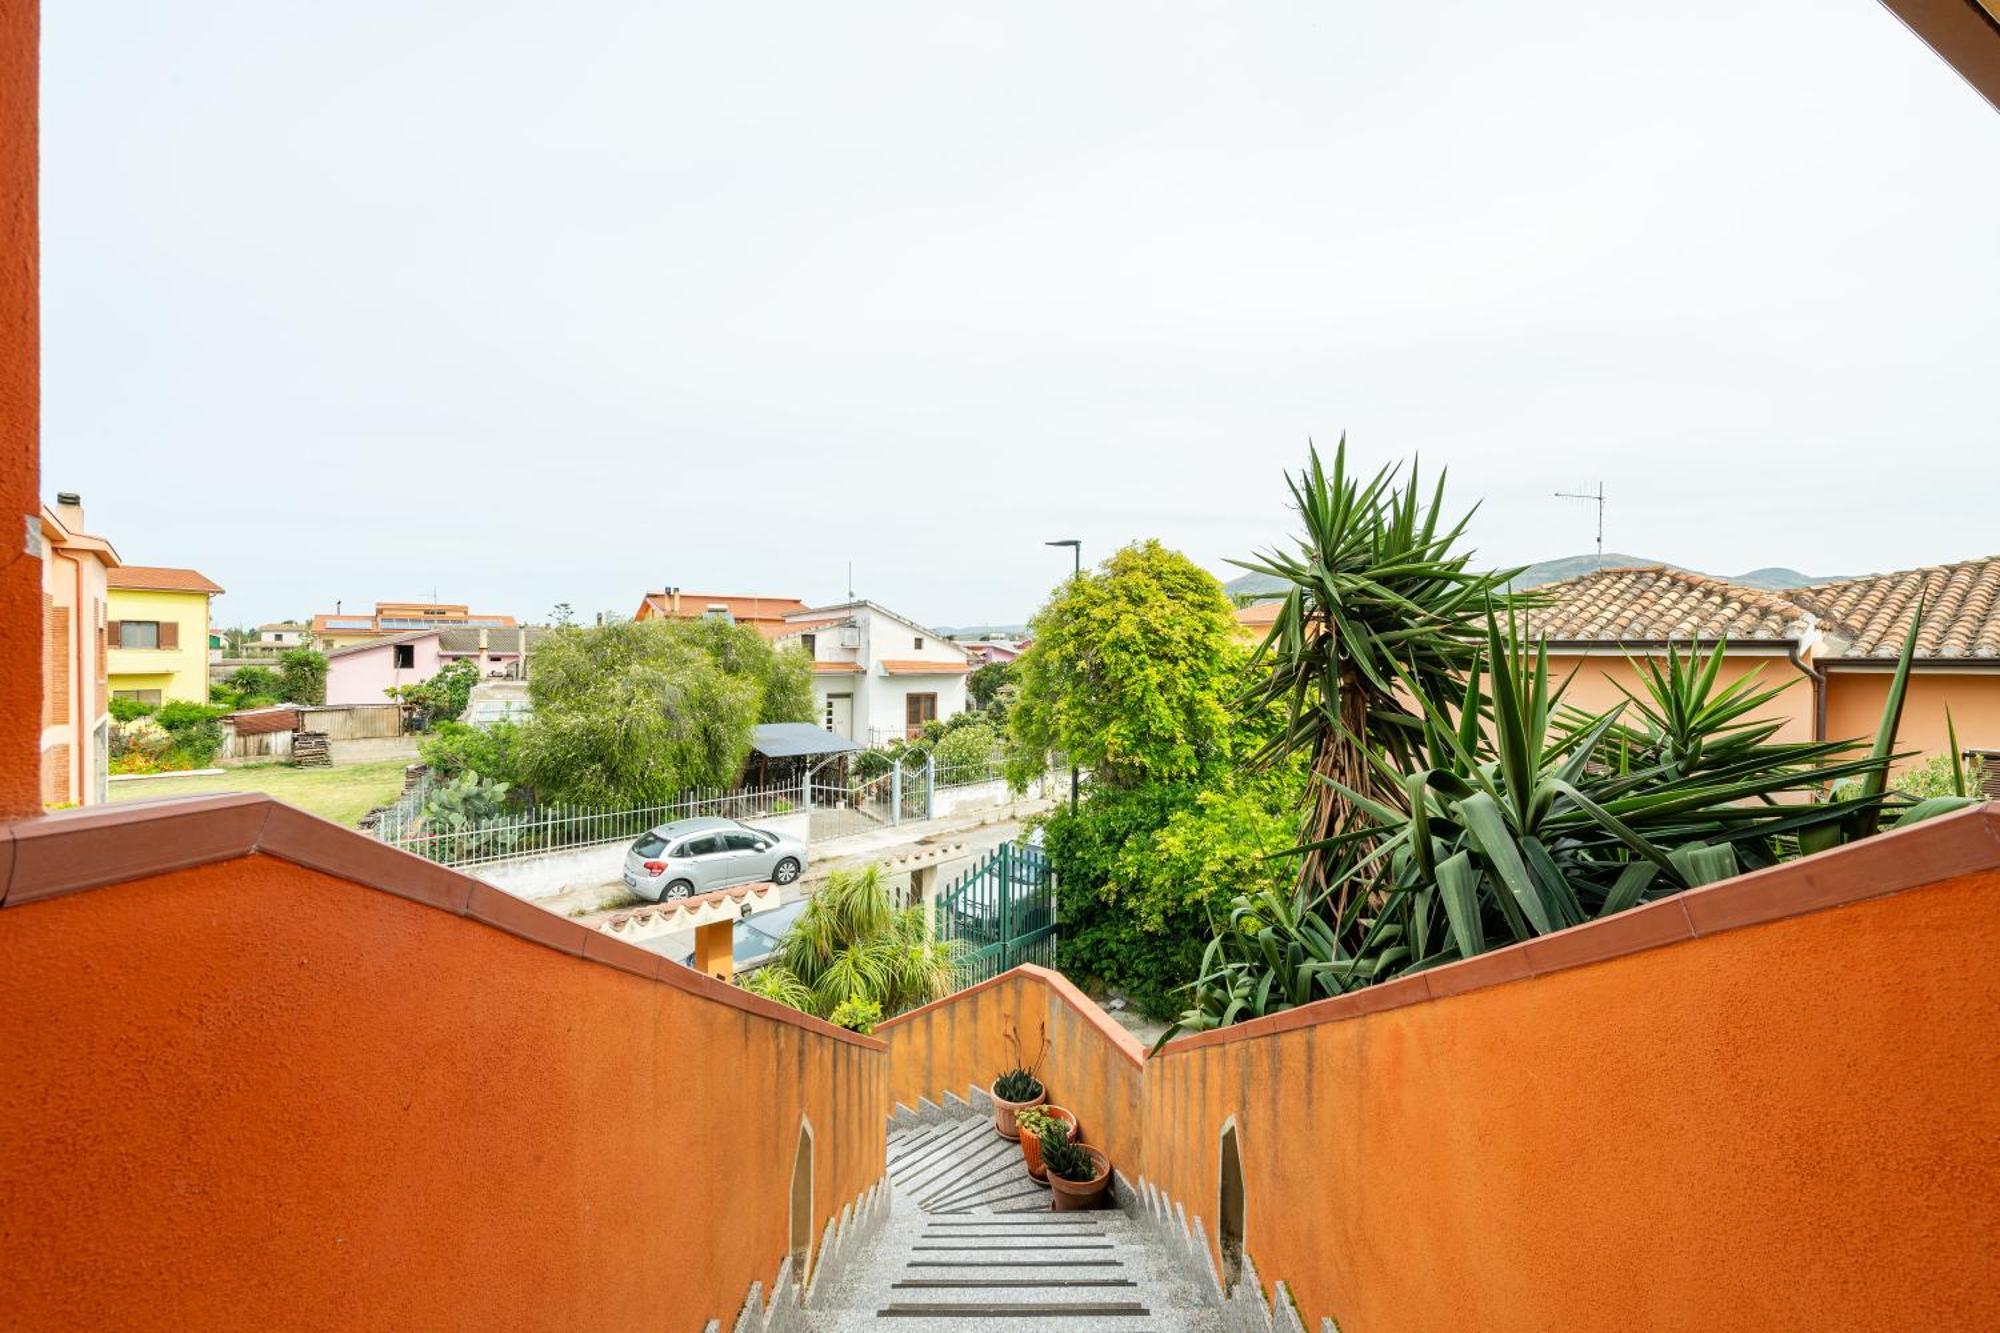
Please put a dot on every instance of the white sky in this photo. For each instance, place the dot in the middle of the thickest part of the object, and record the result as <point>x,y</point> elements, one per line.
<point>540,302</point>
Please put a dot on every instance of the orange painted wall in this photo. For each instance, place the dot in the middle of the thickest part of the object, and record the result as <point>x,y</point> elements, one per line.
<point>1594,685</point>
<point>1774,1129</point>
<point>20,412</point>
<point>1854,707</point>
<point>253,1096</point>
<point>1092,1067</point>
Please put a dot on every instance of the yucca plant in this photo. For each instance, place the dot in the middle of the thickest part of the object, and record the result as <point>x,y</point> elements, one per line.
<point>1534,817</point>
<point>851,947</point>
<point>1381,613</point>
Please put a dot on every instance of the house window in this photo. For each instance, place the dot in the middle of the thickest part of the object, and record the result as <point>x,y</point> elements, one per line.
<point>406,656</point>
<point>138,634</point>
<point>143,696</point>
<point>918,645</point>
<point>809,642</point>
<point>917,710</point>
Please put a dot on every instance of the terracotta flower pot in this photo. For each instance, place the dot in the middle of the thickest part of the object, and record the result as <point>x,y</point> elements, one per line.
<point>1075,1196</point>
<point>1003,1112</point>
<point>1031,1146</point>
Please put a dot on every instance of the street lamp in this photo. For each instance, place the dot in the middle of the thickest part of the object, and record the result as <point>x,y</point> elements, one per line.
<point>1076,552</point>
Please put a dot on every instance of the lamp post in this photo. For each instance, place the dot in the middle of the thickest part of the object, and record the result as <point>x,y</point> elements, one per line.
<point>1076,572</point>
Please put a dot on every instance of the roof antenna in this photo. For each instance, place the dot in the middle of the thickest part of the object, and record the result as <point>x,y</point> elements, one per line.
<point>850,580</point>
<point>1598,500</point>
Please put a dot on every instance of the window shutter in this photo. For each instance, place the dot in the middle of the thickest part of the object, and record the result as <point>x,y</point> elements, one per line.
<point>170,634</point>
<point>114,633</point>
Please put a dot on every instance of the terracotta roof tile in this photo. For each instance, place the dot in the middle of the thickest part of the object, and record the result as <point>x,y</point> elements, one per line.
<point>896,666</point>
<point>1872,614</point>
<point>160,578</point>
<point>1654,603</point>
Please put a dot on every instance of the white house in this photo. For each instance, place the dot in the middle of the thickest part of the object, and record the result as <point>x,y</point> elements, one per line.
<point>878,677</point>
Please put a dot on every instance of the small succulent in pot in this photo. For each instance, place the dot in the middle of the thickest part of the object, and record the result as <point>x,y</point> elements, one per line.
<point>1019,1087</point>
<point>1033,1123</point>
<point>1078,1175</point>
<point>1015,1090</point>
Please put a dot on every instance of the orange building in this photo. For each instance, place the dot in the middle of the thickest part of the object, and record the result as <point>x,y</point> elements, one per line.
<point>1831,646</point>
<point>76,724</point>
<point>766,615</point>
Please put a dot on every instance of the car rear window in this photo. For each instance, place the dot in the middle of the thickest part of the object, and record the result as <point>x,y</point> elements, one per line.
<point>649,844</point>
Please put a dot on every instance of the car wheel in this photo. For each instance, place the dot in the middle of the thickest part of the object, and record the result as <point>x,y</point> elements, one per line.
<point>680,888</point>
<point>787,871</point>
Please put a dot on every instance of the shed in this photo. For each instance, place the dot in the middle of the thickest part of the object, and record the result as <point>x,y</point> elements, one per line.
<point>780,750</point>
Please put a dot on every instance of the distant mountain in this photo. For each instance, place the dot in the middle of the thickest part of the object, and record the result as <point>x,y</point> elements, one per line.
<point>981,631</point>
<point>1567,567</point>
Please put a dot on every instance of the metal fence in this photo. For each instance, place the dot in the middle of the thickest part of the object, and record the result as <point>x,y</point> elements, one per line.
<point>541,829</point>
<point>1003,910</point>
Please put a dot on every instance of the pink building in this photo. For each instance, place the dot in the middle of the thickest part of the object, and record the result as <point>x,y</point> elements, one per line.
<point>364,672</point>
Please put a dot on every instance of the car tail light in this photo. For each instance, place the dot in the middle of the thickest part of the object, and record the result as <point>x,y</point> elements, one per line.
<point>656,867</point>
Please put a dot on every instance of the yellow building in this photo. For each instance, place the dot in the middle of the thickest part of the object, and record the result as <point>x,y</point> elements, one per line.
<point>76,732</point>
<point>158,635</point>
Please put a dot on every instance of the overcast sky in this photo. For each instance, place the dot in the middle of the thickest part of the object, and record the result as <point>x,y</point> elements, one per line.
<point>537,302</point>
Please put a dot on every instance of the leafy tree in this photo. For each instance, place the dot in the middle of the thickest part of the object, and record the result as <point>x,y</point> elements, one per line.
<point>985,684</point>
<point>852,957</point>
<point>966,747</point>
<point>1134,670</point>
<point>636,711</point>
<point>1131,674</point>
<point>443,697</point>
<point>302,676</point>
<point>256,682</point>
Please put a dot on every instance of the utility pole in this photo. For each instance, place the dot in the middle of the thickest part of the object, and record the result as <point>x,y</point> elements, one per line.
<point>1076,572</point>
<point>1598,500</point>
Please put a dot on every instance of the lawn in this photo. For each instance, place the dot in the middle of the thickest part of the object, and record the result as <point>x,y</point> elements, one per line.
<point>342,794</point>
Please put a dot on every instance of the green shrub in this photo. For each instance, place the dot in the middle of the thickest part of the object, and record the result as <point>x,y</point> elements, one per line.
<point>255,680</point>
<point>857,1013</point>
<point>454,748</point>
<point>130,710</point>
<point>302,676</point>
<point>971,745</point>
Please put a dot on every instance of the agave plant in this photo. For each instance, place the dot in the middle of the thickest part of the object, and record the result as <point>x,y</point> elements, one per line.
<point>1533,817</point>
<point>1381,616</point>
<point>851,947</point>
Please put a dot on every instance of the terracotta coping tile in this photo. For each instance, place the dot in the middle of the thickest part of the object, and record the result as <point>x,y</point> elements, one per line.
<point>293,835</point>
<point>602,948</point>
<point>516,916</point>
<point>83,849</point>
<point>1476,973</point>
<point>6,859</point>
<point>1648,927</point>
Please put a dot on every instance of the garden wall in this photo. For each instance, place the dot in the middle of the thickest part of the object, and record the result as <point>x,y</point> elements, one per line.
<point>1763,1106</point>
<point>305,1081</point>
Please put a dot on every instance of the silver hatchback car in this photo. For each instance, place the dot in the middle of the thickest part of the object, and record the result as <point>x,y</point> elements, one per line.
<point>691,856</point>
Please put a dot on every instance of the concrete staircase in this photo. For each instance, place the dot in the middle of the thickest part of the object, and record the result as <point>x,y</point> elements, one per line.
<point>970,1240</point>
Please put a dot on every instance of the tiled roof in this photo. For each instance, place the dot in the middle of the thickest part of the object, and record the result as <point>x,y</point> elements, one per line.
<point>694,605</point>
<point>1871,615</point>
<point>502,641</point>
<point>160,578</point>
<point>837,668</point>
<point>412,637</point>
<point>1259,614</point>
<point>1656,603</point>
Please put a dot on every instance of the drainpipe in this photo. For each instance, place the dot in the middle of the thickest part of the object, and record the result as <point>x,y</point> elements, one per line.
<point>1796,652</point>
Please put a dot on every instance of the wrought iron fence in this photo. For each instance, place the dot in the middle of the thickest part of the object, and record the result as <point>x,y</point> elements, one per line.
<point>1003,910</point>
<point>539,829</point>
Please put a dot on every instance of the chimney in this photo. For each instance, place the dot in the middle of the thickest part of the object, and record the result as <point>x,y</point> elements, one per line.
<point>674,601</point>
<point>69,508</point>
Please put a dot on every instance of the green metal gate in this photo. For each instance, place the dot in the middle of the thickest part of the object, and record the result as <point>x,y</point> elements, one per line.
<point>1004,909</point>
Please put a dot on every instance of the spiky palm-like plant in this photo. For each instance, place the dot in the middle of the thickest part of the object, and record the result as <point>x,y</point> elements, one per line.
<point>1380,605</point>
<point>851,946</point>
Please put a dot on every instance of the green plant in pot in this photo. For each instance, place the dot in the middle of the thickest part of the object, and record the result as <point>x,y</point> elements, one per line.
<point>1033,1123</point>
<point>1020,1087</point>
<point>1078,1174</point>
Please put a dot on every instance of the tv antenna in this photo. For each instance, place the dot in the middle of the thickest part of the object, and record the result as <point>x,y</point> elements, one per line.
<point>1598,500</point>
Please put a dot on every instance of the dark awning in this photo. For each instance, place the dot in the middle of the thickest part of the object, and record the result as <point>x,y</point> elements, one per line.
<point>790,740</point>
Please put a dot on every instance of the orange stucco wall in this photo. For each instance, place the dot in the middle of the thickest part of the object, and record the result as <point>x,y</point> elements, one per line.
<point>1777,1128</point>
<point>1594,679</point>
<point>1854,708</point>
<point>20,414</point>
<point>253,1096</point>
<point>959,1043</point>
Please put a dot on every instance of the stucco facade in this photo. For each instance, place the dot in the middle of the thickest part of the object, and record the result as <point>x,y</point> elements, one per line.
<point>141,662</point>
<point>878,677</point>
<point>365,674</point>
<point>76,729</point>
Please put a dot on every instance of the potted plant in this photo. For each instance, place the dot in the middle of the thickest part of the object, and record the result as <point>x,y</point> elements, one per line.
<point>1034,1121</point>
<point>1078,1175</point>
<point>1016,1090</point>
<point>1020,1087</point>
